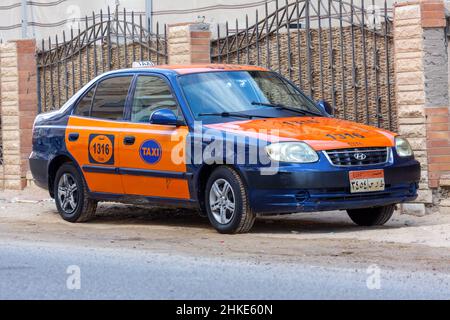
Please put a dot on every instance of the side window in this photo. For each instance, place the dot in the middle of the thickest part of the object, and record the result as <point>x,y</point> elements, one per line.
<point>152,93</point>
<point>110,98</point>
<point>84,106</point>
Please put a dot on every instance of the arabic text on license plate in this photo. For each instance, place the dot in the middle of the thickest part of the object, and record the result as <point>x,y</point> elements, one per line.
<point>366,181</point>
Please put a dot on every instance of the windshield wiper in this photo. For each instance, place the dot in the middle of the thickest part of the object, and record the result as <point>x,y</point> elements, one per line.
<point>281,106</point>
<point>232,114</point>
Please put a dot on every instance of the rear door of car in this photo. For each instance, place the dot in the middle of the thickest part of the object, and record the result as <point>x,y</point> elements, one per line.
<point>152,161</point>
<point>93,133</point>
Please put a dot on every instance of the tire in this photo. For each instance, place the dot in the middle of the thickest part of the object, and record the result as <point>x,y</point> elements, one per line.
<point>371,216</point>
<point>239,220</point>
<point>78,207</point>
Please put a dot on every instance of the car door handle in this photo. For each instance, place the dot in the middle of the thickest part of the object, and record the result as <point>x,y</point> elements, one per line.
<point>74,136</point>
<point>129,140</point>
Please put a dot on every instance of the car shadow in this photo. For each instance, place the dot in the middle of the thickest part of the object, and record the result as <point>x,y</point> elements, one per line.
<point>301,223</point>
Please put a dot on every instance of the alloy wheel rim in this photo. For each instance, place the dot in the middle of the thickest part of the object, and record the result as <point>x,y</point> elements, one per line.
<point>222,201</point>
<point>68,193</point>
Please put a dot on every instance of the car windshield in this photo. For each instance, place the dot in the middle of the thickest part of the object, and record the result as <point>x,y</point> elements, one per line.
<point>237,93</point>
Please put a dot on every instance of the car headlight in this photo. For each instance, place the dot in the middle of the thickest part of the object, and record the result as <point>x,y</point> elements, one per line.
<point>403,147</point>
<point>292,152</point>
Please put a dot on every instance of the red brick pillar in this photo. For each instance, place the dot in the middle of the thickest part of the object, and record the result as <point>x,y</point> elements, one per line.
<point>189,43</point>
<point>26,58</point>
<point>18,107</point>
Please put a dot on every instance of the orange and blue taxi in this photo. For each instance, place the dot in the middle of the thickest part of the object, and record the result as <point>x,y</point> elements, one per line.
<point>234,142</point>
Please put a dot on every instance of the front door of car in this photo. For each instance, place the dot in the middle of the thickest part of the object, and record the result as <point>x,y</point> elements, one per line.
<point>152,155</point>
<point>93,133</point>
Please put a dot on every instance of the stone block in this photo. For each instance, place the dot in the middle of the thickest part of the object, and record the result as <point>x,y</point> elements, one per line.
<point>414,209</point>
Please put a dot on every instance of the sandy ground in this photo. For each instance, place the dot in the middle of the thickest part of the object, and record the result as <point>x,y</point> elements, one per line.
<point>322,239</point>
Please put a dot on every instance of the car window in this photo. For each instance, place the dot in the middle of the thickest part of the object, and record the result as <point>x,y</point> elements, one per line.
<point>110,98</point>
<point>84,106</point>
<point>152,93</point>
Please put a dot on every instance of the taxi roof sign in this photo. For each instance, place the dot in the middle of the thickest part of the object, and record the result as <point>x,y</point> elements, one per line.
<point>140,64</point>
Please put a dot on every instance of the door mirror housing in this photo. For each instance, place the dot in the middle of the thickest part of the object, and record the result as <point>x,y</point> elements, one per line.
<point>164,117</point>
<point>325,107</point>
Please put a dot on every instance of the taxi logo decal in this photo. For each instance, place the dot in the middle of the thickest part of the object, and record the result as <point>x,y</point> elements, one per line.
<point>150,151</point>
<point>101,148</point>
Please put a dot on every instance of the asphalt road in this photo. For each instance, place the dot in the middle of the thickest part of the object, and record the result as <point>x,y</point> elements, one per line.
<point>30,270</point>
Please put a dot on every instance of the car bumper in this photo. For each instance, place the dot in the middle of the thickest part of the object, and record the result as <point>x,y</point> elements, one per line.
<point>38,168</point>
<point>322,187</point>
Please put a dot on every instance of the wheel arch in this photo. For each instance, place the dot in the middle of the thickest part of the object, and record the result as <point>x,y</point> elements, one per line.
<point>53,167</point>
<point>205,172</point>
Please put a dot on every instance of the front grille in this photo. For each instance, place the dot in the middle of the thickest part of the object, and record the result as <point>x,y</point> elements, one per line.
<point>357,156</point>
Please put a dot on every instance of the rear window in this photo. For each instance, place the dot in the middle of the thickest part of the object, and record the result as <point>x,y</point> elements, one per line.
<point>84,106</point>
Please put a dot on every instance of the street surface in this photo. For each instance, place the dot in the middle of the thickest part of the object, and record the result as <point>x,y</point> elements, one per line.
<point>139,253</point>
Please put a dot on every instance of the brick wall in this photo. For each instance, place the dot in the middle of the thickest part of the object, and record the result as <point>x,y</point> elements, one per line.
<point>18,109</point>
<point>422,78</point>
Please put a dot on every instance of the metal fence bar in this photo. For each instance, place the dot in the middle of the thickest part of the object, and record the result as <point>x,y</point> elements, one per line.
<point>73,64</point>
<point>45,80</point>
<point>266,8</point>
<point>102,58</point>
<point>141,54</point>
<point>125,50</point>
<point>219,57</point>
<point>95,44</point>
<point>58,77</point>
<point>247,57</point>
<point>236,41</point>
<point>133,49</point>
<point>88,66</point>
<point>331,56</point>
<point>343,77</point>
<point>258,56</point>
<point>227,42</point>
<point>157,43</point>
<point>277,35</point>
<point>354,67</point>
<point>319,32</point>
<point>80,65</point>
<point>388,80</point>
<point>366,83</point>
<point>51,77</point>
<point>289,46</point>
<point>299,41</point>
<point>376,69</point>
<point>308,51</point>
<point>109,40</point>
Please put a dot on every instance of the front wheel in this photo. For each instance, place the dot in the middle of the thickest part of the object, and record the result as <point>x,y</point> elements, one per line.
<point>227,202</point>
<point>371,216</point>
<point>71,198</point>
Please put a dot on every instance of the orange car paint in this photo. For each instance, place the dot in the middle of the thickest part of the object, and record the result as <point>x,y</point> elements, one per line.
<point>128,156</point>
<point>319,132</point>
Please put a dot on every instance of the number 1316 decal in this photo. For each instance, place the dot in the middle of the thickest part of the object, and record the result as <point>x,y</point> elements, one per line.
<point>101,148</point>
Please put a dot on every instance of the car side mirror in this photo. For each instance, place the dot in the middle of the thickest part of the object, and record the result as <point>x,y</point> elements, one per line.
<point>164,117</point>
<point>325,107</point>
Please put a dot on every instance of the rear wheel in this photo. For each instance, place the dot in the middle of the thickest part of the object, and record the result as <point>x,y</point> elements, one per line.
<point>227,202</point>
<point>371,216</point>
<point>71,198</point>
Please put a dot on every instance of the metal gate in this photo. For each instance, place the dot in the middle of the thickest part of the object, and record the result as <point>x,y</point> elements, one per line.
<point>109,41</point>
<point>332,49</point>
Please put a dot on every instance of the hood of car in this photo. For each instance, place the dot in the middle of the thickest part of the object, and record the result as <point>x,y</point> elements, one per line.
<point>320,133</point>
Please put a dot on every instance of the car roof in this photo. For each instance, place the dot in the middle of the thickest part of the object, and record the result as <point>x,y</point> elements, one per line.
<point>193,68</point>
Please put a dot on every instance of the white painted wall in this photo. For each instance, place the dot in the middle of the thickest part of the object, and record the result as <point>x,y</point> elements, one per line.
<point>49,17</point>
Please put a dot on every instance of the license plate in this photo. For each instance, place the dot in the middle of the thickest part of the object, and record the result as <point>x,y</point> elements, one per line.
<point>366,181</point>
